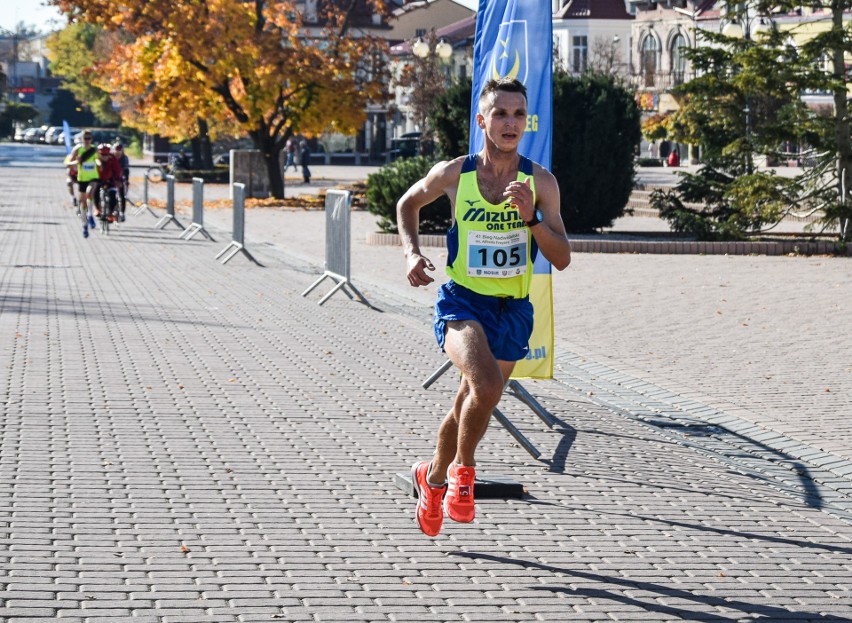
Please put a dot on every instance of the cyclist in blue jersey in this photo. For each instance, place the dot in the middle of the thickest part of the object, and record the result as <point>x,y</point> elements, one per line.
<point>506,211</point>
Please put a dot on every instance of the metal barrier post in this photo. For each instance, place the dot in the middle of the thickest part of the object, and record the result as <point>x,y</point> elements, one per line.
<point>142,208</point>
<point>169,216</point>
<point>197,211</point>
<point>337,246</point>
<point>237,245</point>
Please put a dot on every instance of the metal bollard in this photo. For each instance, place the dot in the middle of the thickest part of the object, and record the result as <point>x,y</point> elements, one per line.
<point>169,216</point>
<point>142,208</point>
<point>237,244</point>
<point>197,211</point>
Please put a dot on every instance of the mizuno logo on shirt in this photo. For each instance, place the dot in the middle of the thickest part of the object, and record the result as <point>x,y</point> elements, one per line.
<point>481,215</point>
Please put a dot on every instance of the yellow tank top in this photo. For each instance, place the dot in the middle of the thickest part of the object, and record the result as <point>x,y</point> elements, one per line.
<point>87,170</point>
<point>490,250</point>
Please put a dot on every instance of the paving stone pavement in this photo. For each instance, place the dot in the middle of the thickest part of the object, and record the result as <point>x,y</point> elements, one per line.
<point>189,442</point>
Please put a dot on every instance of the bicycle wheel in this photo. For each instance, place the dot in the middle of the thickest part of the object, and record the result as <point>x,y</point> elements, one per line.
<point>155,174</point>
<point>104,194</point>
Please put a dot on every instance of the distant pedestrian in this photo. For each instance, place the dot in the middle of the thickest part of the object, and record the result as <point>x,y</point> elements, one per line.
<point>290,153</point>
<point>306,158</point>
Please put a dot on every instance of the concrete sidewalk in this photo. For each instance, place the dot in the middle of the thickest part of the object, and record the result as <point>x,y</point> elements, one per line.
<point>190,442</point>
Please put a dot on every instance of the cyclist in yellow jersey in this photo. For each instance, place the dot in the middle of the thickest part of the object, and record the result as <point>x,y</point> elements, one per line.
<point>506,211</point>
<point>85,157</point>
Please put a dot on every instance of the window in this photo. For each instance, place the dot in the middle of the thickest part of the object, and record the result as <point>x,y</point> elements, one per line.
<point>579,54</point>
<point>649,60</point>
<point>678,59</point>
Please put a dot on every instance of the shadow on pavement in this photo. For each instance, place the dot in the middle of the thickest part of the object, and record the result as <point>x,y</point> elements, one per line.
<point>750,609</point>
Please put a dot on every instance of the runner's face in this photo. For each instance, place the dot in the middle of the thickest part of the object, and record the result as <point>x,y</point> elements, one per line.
<point>505,120</point>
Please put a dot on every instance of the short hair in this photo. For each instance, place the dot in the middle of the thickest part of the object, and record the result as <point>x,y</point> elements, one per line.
<point>506,85</point>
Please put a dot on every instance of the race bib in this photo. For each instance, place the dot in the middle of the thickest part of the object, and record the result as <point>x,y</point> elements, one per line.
<point>88,165</point>
<point>497,254</point>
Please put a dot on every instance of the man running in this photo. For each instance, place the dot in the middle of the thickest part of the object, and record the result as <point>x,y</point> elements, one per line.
<point>85,157</point>
<point>506,211</point>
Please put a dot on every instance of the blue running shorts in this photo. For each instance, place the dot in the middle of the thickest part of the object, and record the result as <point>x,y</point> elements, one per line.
<point>507,322</point>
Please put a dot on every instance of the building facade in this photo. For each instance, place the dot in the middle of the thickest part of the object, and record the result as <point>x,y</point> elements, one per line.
<point>592,34</point>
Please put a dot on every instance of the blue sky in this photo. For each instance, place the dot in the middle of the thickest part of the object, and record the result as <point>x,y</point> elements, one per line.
<point>31,12</point>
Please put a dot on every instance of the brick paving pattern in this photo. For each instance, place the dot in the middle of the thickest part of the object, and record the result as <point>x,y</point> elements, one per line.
<point>189,442</point>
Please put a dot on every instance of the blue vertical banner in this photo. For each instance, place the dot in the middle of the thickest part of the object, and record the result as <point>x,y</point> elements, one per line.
<point>514,39</point>
<point>66,132</point>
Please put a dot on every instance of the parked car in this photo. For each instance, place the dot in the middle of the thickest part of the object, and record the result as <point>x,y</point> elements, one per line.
<point>60,137</point>
<point>19,134</point>
<point>410,145</point>
<point>52,134</point>
<point>33,135</point>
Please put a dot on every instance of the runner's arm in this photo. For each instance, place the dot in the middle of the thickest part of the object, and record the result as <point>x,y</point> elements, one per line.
<point>550,233</point>
<point>426,190</point>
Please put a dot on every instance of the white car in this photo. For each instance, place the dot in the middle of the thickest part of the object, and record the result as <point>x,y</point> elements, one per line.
<point>51,136</point>
<point>33,135</point>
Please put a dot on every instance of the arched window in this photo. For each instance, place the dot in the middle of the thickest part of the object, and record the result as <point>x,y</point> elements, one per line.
<point>678,59</point>
<point>649,58</point>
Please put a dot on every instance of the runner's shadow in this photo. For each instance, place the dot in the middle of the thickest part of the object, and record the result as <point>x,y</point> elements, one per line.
<point>662,591</point>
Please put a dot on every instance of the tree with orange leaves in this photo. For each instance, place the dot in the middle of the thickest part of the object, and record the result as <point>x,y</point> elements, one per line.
<point>249,63</point>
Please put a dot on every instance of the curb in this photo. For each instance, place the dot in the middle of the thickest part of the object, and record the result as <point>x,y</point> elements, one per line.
<point>663,247</point>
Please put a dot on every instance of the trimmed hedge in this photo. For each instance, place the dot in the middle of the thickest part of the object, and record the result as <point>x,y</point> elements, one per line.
<point>386,186</point>
<point>220,175</point>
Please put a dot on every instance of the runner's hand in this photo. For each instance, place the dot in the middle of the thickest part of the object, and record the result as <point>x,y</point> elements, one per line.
<point>417,267</point>
<point>520,197</point>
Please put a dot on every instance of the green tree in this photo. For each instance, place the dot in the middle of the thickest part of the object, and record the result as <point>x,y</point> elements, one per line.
<point>66,107</point>
<point>425,80</point>
<point>746,100</point>
<point>596,129</point>
<point>450,119</point>
<point>16,113</point>
<point>73,52</point>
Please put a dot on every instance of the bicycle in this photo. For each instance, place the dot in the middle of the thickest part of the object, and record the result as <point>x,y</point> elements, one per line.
<point>109,206</point>
<point>157,172</point>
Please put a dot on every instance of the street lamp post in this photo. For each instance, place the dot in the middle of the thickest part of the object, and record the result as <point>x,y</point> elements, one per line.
<point>426,76</point>
<point>443,50</point>
<point>742,29</point>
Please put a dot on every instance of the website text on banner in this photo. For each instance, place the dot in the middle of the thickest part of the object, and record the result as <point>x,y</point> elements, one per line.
<point>513,41</point>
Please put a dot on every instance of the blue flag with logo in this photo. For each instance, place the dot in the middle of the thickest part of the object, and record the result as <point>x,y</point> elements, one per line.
<point>514,39</point>
<point>66,132</point>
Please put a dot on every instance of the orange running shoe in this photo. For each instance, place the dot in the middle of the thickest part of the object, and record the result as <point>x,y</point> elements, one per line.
<point>459,500</point>
<point>429,513</point>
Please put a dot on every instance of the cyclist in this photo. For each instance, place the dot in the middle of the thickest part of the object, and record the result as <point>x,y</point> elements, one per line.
<point>84,157</point>
<point>124,163</point>
<point>110,177</point>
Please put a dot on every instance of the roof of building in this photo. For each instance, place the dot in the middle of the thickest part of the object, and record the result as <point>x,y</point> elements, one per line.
<point>593,9</point>
<point>454,33</point>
